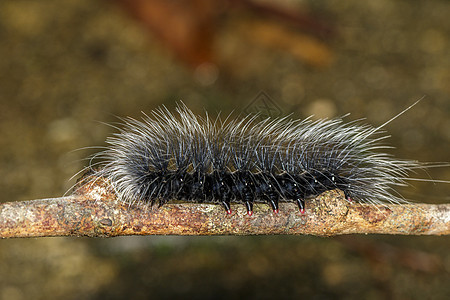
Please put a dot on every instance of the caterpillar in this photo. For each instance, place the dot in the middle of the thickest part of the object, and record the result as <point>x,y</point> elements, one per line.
<point>201,159</point>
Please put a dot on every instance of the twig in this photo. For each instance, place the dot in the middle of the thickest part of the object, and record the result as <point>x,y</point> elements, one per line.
<point>93,211</point>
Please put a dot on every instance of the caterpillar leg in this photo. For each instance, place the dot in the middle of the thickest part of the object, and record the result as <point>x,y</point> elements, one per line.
<point>226,205</point>
<point>347,196</point>
<point>274,205</point>
<point>246,188</point>
<point>273,201</point>
<point>301,205</point>
<point>249,206</point>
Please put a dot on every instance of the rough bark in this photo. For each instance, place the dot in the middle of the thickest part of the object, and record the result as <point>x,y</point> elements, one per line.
<point>94,211</point>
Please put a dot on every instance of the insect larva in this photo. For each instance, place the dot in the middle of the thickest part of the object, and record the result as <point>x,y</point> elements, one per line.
<point>198,159</point>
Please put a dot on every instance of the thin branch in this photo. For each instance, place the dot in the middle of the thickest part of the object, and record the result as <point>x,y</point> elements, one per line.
<point>94,211</point>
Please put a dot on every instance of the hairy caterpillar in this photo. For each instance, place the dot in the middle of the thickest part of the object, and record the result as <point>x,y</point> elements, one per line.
<point>195,158</point>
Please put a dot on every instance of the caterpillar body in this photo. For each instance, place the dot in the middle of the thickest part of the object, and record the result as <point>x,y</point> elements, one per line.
<point>200,159</point>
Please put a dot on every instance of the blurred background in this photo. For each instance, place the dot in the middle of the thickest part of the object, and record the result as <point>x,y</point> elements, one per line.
<point>67,67</point>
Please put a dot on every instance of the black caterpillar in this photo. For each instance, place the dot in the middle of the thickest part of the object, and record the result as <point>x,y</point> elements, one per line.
<point>204,160</point>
